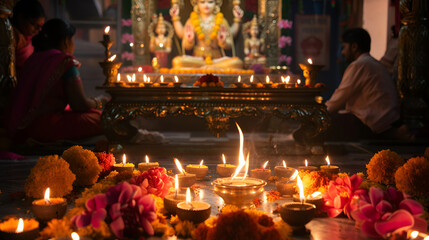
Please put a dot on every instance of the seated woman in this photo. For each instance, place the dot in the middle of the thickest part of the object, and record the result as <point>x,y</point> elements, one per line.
<point>27,20</point>
<point>49,103</point>
<point>206,33</point>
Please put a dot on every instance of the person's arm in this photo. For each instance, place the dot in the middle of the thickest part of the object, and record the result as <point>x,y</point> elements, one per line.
<point>175,18</point>
<point>238,14</point>
<point>347,87</point>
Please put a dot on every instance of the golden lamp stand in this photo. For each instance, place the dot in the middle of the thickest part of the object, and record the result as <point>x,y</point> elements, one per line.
<point>110,68</point>
<point>310,72</point>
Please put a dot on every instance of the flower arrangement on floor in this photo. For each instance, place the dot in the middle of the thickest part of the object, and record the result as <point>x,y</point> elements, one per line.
<point>84,164</point>
<point>382,167</point>
<point>106,161</point>
<point>209,80</point>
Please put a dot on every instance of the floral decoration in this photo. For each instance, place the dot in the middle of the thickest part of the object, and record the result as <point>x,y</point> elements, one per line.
<point>124,206</point>
<point>412,177</point>
<point>154,181</point>
<point>383,165</point>
<point>285,41</point>
<point>106,161</point>
<point>53,172</point>
<point>84,164</point>
<point>126,22</point>
<point>285,24</point>
<point>342,195</point>
<point>382,213</point>
<point>195,20</point>
<point>209,80</point>
<point>127,38</point>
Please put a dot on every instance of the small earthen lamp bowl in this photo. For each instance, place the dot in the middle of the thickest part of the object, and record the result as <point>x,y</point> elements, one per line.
<point>225,170</point>
<point>284,172</point>
<point>200,172</point>
<point>45,212</point>
<point>260,173</point>
<point>297,214</point>
<point>170,202</point>
<point>187,180</point>
<point>198,214</point>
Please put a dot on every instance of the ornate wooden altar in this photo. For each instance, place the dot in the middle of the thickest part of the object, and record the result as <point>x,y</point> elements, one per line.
<point>216,106</point>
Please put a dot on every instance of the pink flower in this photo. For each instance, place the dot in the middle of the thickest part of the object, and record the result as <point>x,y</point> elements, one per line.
<point>283,41</point>
<point>285,24</point>
<point>285,58</point>
<point>127,56</point>
<point>126,37</point>
<point>95,212</point>
<point>380,213</point>
<point>154,181</point>
<point>126,22</point>
<point>342,195</point>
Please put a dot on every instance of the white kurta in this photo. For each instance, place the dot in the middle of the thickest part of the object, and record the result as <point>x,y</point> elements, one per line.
<point>368,92</point>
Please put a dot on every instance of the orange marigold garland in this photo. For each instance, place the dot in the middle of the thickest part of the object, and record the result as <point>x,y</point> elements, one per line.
<point>412,177</point>
<point>195,20</point>
<point>84,164</point>
<point>382,167</point>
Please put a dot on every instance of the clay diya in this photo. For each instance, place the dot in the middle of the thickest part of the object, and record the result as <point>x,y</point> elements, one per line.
<point>185,179</point>
<point>225,170</point>
<point>330,168</point>
<point>261,173</point>
<point>171,200</point>
<point>199,170</point>
<point>19,229</point>
<point>194,211</point>
<point>124,166</point>
<point>306,167</point>
<point>48,208</point>
<point>147,165</point>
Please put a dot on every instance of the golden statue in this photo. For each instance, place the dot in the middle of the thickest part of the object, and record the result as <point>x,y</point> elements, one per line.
<point>253,45</point>
<point>207,34</point>
<point>160,45</point>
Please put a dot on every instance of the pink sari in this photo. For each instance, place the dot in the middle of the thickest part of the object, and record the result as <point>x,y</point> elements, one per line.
<point>39,101</point>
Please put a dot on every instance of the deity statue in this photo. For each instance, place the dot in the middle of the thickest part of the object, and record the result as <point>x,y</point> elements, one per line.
<point>207,33</point>
<point>160,44</point>
<point>254,45</point>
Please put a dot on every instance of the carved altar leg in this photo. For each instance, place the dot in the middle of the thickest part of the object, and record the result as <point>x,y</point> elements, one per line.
<point>308,134</point>
<point>217,122</point>
<point>115,121</point>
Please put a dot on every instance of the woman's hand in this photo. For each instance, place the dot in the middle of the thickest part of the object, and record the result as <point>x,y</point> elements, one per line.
<point>237,12</point>
<point>174,10</point>
<point>189,33</point>
<point>221,37</point>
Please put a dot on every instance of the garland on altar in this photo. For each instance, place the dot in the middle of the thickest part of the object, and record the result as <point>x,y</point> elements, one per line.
<point>195,20</point>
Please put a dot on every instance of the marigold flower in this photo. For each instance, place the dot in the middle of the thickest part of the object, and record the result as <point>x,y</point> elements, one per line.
<point>382,167</point>
<point>52,172</point>
<point>84,164</point>
<point>412,177</point>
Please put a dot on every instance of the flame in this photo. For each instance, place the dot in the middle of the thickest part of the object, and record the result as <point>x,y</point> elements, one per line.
<point>134,77</point>
<point>284,164</point>
<point>283,79</point>
<point>140,69</point>
<point>267,79</point>
<point>146,158</point>
<point>287,79</point>
<point>246,168</point>
<point>176,79</point>
<point>294,175</point>
<point>162,78</point>
<point>176,184</point>
<point>239,79</point>
<point>124,159</point>
<point>315,194</point>
<point>118,77</point>
<point>47,195</point>
<point>306,163</point>
<point>241,161</point>
<point>75,236</point>
<point>144,78</point>
<point>265,165</point>
<point>161,45</point>
<point>310,61</point>
<point>301,190</point>
<point>179,166</point>
<point>201,163</point>
<point>112,58</point>
<point>129,78</point>
<point>327,160</point>
<point>223,158</point>
<point>414,234</point>
<point>131,44</point>
<point>251,79</point>
<point>20,227</point>
<point>107,30</point>
<point>148,79</point>
<point>298,81</point>
<point>188,197</point>
<point>426,238</point>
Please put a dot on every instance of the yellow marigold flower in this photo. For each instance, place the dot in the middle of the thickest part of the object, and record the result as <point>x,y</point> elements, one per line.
<point>412,177</point>
<point>209,60</point>
<point>213,35</point>
<point>198,29</point>
<point>194,15</point>
<point>184,228</point>
<point>201,36</point>
<point>284,229</point>
<point>52,172</point>
<point>56,228</point>
<point>84,164</point>
<point>216,28</point>
<point>382,167</point>
<point>103,232</point>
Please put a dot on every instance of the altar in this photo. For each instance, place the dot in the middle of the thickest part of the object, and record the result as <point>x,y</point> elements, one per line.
<point>217,106</point>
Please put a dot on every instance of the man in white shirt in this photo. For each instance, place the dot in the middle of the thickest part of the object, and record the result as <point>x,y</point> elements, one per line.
<point>367,91</point>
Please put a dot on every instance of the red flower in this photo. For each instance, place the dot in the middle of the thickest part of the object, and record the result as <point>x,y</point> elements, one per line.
<point>106,161</point>
<point>208,78</point>
<point>154,181</point>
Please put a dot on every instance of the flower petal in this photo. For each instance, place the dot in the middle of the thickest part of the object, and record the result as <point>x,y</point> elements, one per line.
<point>411,206</point>
<point>97,217</point>
<point>117,226</point>
<point>375,195</point>
<point>420,224</point>
<point>369,229</point>
<point>370,212</point>
<point>399,220</point>
<point>333,212</point>
<point>384,206</point>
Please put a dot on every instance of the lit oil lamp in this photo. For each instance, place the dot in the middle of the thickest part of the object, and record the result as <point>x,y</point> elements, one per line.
<point>267,83</point>
<point>124,166</point>
<point>288,83</point>
<point>261,173</point>
<point>298,214</point>
<point>310,72</point>
<point>225,170</point>
<point>48,208</point>
<point>185,179</point>
<point>132,80</point>
<point>329,168</point>
<point>106,36</point>
<point>306,167</point>
<point>177,83</point>
<point>146,165</point>
<point>284,171</point>
<point>199,170</point>
<point>171,200</point>
<point>298,83</point>
<point>162,82</point>
<point>194,211</point>
<point>314,198</point>
<point>147,82</point>
<point>239,191</point>
<point>19,229</point>
<point>239,83</point>
<point>286,186</point>
<point>252,84</point>
<point>119,82</point>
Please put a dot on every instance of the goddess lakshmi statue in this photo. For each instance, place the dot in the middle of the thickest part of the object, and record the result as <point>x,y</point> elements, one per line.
<point>207,33</point>
<point>253,44</point>
<point>160,44</point>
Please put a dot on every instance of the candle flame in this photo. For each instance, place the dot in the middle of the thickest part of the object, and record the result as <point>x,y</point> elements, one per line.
<point>201,163</point>
<point>146,158</point>
<point>188,197</point>
<point>251,79</point>
<point>298,81</point>
<point>239,79</point>
<point>112,58</point>
<point>294,175</point>
<point>140,69</point>
<point>246,168</point>
<point>179,166</point>
<point>284,164</point>
<point>129,78</point>
<point>144,78</point>
<point>306,163</point>
<point>131,44</point>
<point>20,227</point>
<point>426,238</point>
<point>301,190</point>
<point>47,191</point>
<point>162,78</point>
<point>133,78</point>
<point>287,79</point>
<point>176,79</point>
<point>118,78</point>
<point>148,79</point>
<point>310,61</point>
<point>265,165</point>
<point>315,194</point>
<point>241,161</point>
<point>223,158</point>
<point>267,79</point>
<point>327,160</point>
<point>124,159</point>
<point>107,30</point>
<point>414,234</point>
<point>75,236</point>
<point>161,45</point>
<point>176,184</point>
